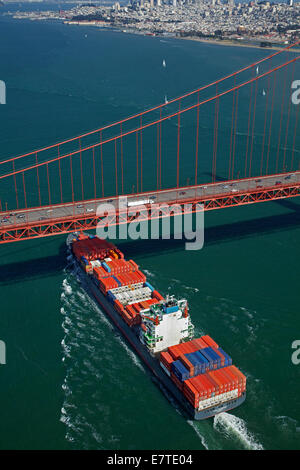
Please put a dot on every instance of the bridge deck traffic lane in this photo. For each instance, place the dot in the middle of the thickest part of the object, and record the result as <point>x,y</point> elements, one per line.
<point>46,214</point>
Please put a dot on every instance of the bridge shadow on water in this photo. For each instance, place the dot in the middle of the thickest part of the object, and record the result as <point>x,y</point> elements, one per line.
<point>52,265</point>
<point>222,233</point>
<point>34,268</point>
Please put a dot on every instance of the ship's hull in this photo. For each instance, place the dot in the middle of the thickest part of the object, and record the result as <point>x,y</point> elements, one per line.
<point>151,362</point>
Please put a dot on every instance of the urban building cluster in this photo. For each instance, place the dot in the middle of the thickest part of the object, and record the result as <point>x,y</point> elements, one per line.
<point>257,20</point>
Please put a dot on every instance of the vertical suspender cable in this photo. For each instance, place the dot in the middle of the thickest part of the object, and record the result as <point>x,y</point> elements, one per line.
<point>253,127</point>
<point>116,166</point>
<point>197,143</point>
<point>160,151</point>
<point>71,174</point>
<point>137,161</point>
<point>281,116</point>
<point>101,158</point>
<point>94,173</point>
<point>60,182</point>
<point>38,178</point>
<point>49,192</point>
<point>16,189</point>
<point>288,122</point>
<point>24,189</point>
<point>178,142</point>
<point>295,134</point>
<point>81,174</point>
<point>232,124</point>
<point>249,122</point>
<point>265,126</point>
<point>122,169</point>
<point>157,156</point>
<point>141,150</point>
<point>271,122</point>
<point>234,135</point>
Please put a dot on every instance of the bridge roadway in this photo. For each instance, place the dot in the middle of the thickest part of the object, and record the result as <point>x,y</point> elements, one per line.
<point>18,219</point>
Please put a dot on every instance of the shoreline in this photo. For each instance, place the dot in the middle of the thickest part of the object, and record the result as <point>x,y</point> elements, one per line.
<point>218,42</point>
<point>234,43</point>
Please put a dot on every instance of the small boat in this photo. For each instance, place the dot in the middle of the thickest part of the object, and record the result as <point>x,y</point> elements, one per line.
<point>257,70</point>
<point>164,63</point>
<point>166,100</point>
<point>264,92</point>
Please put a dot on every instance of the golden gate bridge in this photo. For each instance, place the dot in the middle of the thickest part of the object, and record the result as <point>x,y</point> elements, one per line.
<point>228,143</point>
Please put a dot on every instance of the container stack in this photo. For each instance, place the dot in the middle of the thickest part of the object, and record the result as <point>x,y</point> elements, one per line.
<point>119,280</point>
<point>93,248</point>
<point>203,372</point>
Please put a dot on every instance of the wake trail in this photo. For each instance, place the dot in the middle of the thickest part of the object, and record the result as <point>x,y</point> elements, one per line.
<point>233,427</point>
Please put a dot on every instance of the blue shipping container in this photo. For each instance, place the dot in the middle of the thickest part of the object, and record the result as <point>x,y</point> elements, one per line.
<point>215,356</point>
<point>180,370</point>
<point>227,357</point>
<point>203,360</point>
<point>206,354</point>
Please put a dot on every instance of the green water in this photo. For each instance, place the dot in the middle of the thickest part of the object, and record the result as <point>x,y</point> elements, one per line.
<point>70,381</point>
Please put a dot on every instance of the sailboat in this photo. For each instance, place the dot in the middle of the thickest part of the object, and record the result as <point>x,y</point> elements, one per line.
<point>264,92</point>
<point>166,100</point>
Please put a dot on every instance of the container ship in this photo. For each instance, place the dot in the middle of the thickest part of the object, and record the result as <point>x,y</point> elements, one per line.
<point>198,373</point>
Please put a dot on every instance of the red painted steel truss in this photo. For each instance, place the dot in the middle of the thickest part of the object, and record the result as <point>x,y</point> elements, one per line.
<point>80,222</point>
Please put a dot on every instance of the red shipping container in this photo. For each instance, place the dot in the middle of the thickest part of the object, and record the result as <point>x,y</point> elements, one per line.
<point>230,382</point>
<point>214,382</point>
<point>218,380</point>
<point>157,295</point>
<point>187,364</point>
<point>175,351</point>
<point>199,344</point>
<point>209,341</point>
<point>201,387</point>
<point>241,377</point>
<point>166,359</point>
<point>222,380</point>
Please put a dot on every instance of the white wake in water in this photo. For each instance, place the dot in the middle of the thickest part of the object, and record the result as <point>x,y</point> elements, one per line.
<point>233,427</point>
<point>88,348</point>
<point>197,431</point>
<point>66,287</point>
